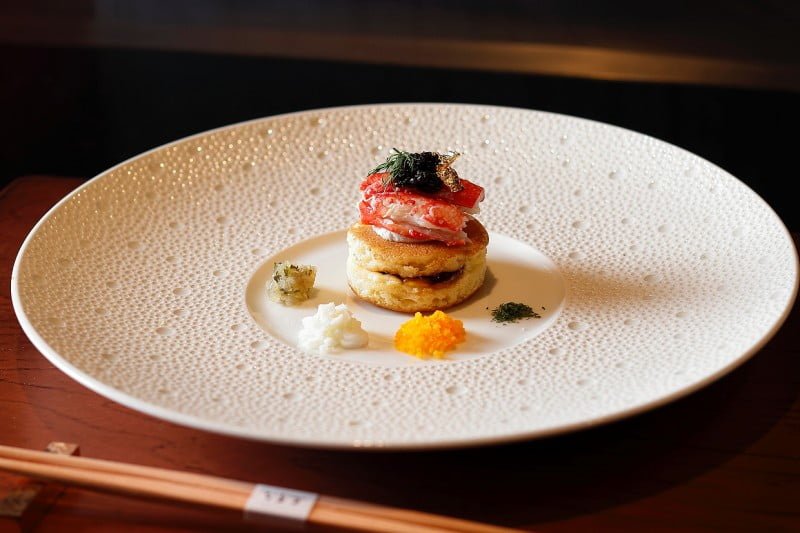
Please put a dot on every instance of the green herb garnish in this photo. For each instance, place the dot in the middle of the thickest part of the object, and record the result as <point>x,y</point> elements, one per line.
<point>396,163</point>
<point>513,312</point>
<point>425,171</point>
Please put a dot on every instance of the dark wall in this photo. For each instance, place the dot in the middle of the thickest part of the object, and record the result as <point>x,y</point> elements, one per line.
<point>78,111</point>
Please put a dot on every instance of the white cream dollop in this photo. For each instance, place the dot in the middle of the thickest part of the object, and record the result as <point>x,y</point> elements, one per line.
<point>385,234</point>
<point>332,328</point>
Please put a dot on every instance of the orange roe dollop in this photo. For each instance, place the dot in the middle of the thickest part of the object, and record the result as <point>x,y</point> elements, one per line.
<point>429,336</point>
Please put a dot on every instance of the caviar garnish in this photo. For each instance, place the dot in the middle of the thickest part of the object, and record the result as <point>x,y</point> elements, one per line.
<point>513,312</point>
<point>426,172</point>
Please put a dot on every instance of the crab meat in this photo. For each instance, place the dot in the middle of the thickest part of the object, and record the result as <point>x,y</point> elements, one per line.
<point>418,216</point>
<point>415,217</point>
<point>468,197</point>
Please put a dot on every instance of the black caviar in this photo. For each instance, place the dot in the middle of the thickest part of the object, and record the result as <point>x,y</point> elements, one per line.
<point>418,170</point>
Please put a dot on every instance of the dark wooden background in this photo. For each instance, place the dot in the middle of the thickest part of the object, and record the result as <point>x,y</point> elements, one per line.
<point>89,83</point>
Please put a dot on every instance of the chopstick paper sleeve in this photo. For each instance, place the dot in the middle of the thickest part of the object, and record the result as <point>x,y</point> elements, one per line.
<point>280,502</point>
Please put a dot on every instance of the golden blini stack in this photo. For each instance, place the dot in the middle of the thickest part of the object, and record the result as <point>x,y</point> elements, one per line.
<point>411,277</point>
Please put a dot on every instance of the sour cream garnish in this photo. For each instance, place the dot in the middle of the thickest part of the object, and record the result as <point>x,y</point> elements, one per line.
<point>331,329</point>
<point>385,234</point>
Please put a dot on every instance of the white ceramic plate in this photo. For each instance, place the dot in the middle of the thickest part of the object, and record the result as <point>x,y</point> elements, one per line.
<point>655,273</point>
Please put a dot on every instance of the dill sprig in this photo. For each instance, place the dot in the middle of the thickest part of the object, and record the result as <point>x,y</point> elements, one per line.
<point>397,163</point>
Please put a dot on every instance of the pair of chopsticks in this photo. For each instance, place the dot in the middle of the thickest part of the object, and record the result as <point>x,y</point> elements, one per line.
<point>210,491</point>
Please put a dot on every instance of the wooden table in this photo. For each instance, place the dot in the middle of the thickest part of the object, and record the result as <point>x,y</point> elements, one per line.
<point>725,458</point>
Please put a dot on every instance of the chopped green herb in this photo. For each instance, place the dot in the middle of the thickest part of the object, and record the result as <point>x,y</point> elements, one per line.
<point>513,312</point>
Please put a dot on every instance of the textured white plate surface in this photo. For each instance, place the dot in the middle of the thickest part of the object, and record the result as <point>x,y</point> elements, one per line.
<point>508,261</point>
<point>140,284</point>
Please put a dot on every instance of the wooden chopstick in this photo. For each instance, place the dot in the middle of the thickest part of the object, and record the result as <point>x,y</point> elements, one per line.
<point>198,489</point>
<point>100,465</point>
<point>167,491</point>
